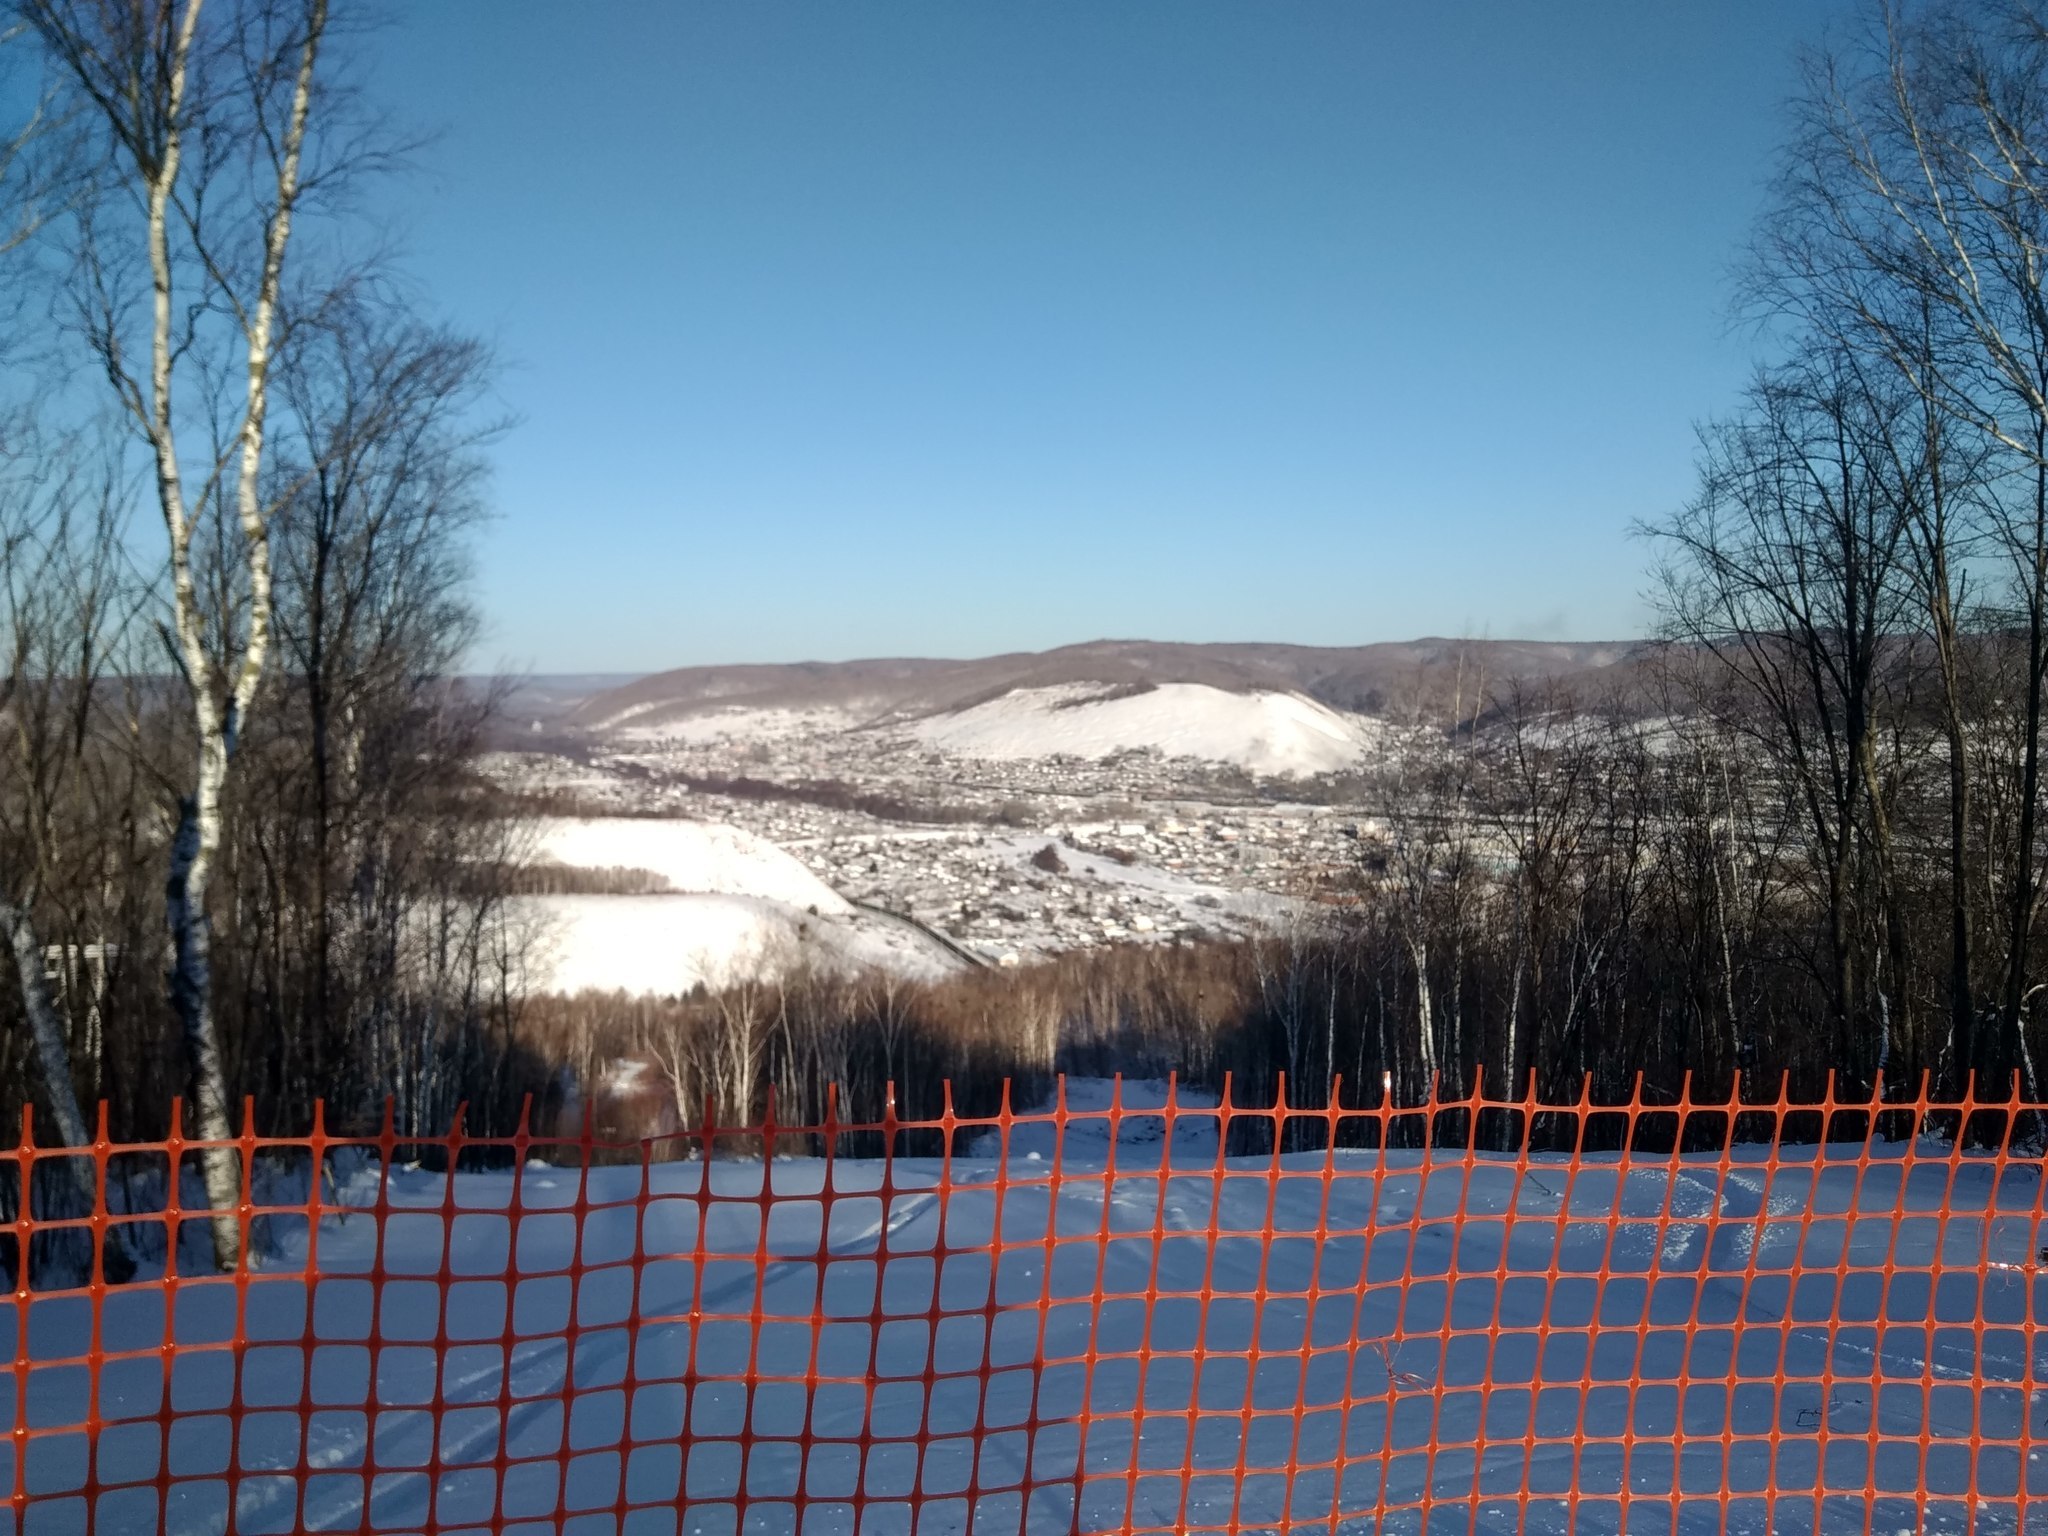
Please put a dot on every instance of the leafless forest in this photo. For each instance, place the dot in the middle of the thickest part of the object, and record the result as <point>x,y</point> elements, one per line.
<point>245,851</point>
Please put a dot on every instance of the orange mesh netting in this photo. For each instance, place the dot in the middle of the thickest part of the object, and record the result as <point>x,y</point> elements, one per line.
<point>1139,1311</point>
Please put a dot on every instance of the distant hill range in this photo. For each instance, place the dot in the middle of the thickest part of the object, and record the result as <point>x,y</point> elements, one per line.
<point>1401,678</point>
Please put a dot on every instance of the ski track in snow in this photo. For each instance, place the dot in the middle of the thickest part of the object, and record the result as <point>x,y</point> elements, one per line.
<point>1691,1242</point>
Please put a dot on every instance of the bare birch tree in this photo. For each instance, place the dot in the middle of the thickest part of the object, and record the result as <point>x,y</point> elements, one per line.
<point>379,491</point>
<point>34,170</point>
<point>1425,866</point>
<point>199,114</point>
<point>1787,570</point>
<point>1911,226</point>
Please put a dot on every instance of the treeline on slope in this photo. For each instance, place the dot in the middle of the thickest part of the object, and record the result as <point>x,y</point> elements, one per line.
<point>828,794</point>
<point>821,1042</point>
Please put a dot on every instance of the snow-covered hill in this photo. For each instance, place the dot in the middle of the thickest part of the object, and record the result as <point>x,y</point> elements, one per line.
<point>741,909</point>
<point>705,857</point>
<point>665,945</point>
<point>1264,732</point>
<point>1343,677</point>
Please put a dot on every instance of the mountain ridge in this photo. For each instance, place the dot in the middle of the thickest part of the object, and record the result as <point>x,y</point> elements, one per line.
<point>1364,679</point>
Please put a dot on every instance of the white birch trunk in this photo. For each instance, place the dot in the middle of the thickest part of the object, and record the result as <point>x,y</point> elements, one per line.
<point>53,1057</point>
<point>53,1050</point>
<point>216,722</point>
<point>185,891</point>
<point>1425,1024</point>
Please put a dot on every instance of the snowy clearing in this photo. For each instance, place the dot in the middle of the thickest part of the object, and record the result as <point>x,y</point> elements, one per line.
<point>991,1337</point>
<point>1276,734</point>
<point>698,856</point>
<point>742,910</point>
<point>666,945</point>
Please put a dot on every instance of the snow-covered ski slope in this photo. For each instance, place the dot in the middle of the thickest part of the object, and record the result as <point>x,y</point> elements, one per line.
<point>1264,732</point>
<point>739,907</point>
<point>1087,1325</point>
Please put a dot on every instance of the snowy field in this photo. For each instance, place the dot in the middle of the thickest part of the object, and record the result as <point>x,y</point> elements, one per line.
<point>666,945</point>
<point>1102,1340</point>
<point>702,857</point>
<point>740,908</point>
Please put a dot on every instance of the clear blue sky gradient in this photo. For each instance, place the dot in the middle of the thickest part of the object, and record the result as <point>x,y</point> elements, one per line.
<point>932,328</point>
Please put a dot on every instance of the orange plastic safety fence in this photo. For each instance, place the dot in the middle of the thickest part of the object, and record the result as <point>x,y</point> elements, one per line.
<point>1138,1311</point>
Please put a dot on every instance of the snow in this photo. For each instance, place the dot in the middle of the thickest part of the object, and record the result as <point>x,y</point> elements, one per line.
<point>742,909</point>
<point>666,945</point>
<point>1087,1142</point>
<point>908,1360</point>
<point>736,722</point>
<point>700,856</point>
<point>1269,733</point>
<point>1199,903</point>
<point>1659,735</point>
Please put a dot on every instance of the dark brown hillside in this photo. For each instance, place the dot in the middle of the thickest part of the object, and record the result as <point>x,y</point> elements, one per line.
<point>1386,678</point>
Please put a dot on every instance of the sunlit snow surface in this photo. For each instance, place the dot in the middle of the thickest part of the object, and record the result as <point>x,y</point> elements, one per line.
<point>1264,732</point>
<point>704,857</point>
<point>741,908</point>
<point>578,1395</point>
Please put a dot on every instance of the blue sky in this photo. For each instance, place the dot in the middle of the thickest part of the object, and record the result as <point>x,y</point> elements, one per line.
<point>945,327</point>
